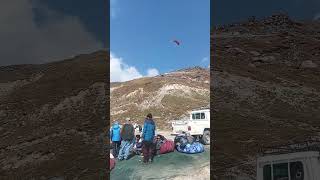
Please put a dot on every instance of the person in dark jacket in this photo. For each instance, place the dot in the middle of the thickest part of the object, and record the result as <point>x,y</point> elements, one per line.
<point>138,145</point>
<point>158,141</point>
<point>115,138</point>
<point>127,136</point>
<point>148,134</point>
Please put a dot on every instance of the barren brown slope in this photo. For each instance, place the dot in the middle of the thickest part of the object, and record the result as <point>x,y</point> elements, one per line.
<point>167,97</point>
<point>266,89</point>
<point>52,119</point>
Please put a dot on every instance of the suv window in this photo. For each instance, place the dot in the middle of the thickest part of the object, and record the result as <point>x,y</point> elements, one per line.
<point>267,172</point>
<point>280,171</point>
<point>197,115</point>
<point>203,116</point>
<point>296,171</point>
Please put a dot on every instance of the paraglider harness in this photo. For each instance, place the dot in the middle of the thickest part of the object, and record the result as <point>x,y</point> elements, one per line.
<point>186,144</point>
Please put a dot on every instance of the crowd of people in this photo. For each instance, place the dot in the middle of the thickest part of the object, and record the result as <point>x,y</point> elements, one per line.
<point>126,141</point>
<point>130,139</point>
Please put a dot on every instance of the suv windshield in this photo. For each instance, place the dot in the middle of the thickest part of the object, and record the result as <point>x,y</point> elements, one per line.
<point>198,116</point>
<point>281,171</point>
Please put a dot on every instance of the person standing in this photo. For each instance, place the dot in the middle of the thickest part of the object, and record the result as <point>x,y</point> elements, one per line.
<point>127,135</point>
<point>115,138</point>
<point>148,134</point>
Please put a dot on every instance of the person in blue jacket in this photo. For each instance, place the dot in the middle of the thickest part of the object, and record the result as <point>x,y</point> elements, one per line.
<point>115,138</point>
<point>148,134</point>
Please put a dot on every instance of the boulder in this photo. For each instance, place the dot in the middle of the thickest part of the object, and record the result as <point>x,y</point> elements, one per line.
<point>264,59</point>
<point>255,53</point>
<point>308,64</point>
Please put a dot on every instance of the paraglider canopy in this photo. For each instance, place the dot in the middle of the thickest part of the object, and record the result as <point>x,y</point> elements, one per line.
<point>177,42</point>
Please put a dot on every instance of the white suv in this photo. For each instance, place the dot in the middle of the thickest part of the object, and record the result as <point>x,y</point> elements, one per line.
<point>290,163</point>
<point>198,125</point>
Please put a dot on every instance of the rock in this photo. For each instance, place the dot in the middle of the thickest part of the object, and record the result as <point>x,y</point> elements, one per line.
<point>239,50</point>
<point>236,50</point>
<point>264,59</point>
<point>2,113</point>
<point>235,33</point>
<point>308,64</point>
<point>57,178</point>
<point>255,53</point>
<point>251,65</point>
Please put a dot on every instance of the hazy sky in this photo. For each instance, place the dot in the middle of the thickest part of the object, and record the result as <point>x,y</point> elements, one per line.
<point>231,11</point>
<point>39,31</point>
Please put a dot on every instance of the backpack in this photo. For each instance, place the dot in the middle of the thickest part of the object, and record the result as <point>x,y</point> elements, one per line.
<point>166,147</point>
<point>127,132</point>
<point>181,140</point>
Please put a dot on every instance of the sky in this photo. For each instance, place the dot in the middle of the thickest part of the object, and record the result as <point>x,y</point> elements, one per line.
<point>142,34</point>
<point>41,31</point>
<point>233,11</point>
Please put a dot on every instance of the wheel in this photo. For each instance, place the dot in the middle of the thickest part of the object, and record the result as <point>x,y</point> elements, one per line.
<point>206,137</point>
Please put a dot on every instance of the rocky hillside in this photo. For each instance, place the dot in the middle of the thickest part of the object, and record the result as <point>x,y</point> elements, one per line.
<point>52,118</point>
<point>169,96</point>
<point>266,89</point>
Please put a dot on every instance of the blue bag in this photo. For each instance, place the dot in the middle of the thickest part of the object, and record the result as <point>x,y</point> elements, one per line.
<point>193,148</point>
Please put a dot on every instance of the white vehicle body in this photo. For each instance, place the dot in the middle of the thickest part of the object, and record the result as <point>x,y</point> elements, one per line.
<point>291,166</point>
<point>198,124</point>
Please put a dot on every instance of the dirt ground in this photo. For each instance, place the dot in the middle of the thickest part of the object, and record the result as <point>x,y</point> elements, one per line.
<point>173,166</point>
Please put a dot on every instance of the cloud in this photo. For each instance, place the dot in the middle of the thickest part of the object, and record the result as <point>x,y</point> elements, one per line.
<point>205,59</point>
<point>120,71</point>
<point>152,72</point>
<point>27,41</point>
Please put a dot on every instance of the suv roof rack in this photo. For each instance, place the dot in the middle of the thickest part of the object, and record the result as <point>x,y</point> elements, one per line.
<point>308,145</point>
